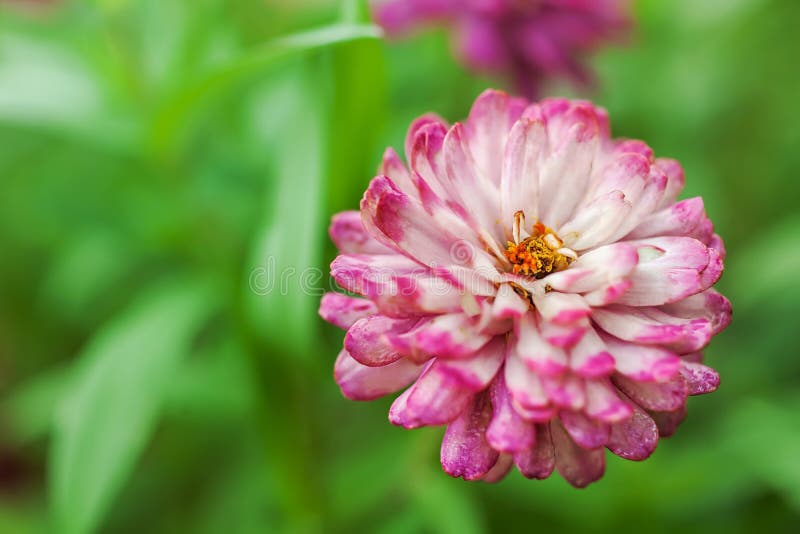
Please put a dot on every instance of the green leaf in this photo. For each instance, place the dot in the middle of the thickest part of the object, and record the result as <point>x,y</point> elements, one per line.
<point>109,413</point>
<point>283,273</point>
<point>177,111</point>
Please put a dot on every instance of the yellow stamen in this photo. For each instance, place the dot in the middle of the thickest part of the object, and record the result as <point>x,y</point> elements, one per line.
<point>537,255</point>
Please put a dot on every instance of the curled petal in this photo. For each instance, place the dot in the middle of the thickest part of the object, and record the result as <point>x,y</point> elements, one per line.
<point>368,339</point>
<point>465,452</point>
<point>580,467</point>
<point>508,431</point>
<point>650,325</point>
<point>662,397</point>
<point>643,363</point>
<point>700,379</point>
<point>476,371</point>
<point>634,438</point>
<point>343,311</point>
<point>449,335</point>
<point>537,461</point>
<point>501,468</point>
<point>434,399</point>
<point>538,354</point>
<point>668,422</point>
<point>585,431</point>
<point>603,402</point>
<point>359,382</point>
<point>350,237</point>
<point>669,270</point>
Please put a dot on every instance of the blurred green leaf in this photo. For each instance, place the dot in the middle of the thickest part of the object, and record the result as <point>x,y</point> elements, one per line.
<point>283,274</point>
<point>29,408</point>
<point>178,111</point>
<point>112,407</point>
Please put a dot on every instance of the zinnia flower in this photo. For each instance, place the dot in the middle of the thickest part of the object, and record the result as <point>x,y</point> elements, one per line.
<point>536,283</point>
<point>530,40</point>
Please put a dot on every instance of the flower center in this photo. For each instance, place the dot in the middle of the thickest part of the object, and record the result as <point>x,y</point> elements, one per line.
<point>539,254</point>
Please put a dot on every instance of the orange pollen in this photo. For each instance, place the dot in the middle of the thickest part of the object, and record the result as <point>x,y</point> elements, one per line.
<point>534,256</point>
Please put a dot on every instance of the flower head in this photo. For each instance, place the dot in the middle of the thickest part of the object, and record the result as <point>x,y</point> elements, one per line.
<point>536,286</point>
<point>527,39</point>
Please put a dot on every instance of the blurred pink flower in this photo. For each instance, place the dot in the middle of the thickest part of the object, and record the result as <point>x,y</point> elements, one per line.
<point>536,283</point>
<point>530,40</point>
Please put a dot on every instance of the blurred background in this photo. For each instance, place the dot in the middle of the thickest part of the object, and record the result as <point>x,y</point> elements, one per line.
<point>155,154</point>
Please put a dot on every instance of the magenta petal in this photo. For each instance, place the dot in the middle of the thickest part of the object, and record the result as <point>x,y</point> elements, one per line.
<point>350,237</point>
<point>643,363</point>
<point>359,382</point>
<point>435,399</point>
<point>538,461</point>
<point>586,432</point>
<point>668,422</point>
<point>635,438</point>
<point>449,335</point>
<point>343,311</point>
<point>699,378</point>
<point>603,402</point>
<point>580,467</point>
<point>367,342</point>
<point>476,371</point>
<point>501,468</point>
<point>508,431</point>
<point>465,452</point>
<point>665,397</point>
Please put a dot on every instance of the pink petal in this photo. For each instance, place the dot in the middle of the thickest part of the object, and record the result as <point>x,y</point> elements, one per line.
<point>563,336</point>
<point>669,270</point>
<point>668,422</point>
<point>604,404</point>
<point>359,382</point>
<point>367,340</point>
<point>434,399</point>
<point>586,432</point>
<point>561,308</point>
<point>396,171</point>
<point>409,227</point>
<point>398,286</point>
<point>708,305</point>
<point>465,452</point>
<point>565,391</point>
<point>519,183</point>
<point>574,133</point>
<point>538,354</point>
<point>653,326</point>
<point>700,379</point>
<point>676,179</point>
<point>643,363</point>
<point>684,218</point>
<point>427,158</point>
<point>524,384</point>
<point>580,467</point>
<point>595,223</point>
<point>476,371</point>
<point>597,269</point>
<point>350,237</point>
<point>508,431</point>
<point>487,129</point>
<point>590,358</point>
<point>343,311</point>
<point>501,468</point>
<point>469,185</point>
<point>539,460</point>
<point>449,335</point>
<point>662,397</point>
<point>508,304</point>
<point>635,438</point>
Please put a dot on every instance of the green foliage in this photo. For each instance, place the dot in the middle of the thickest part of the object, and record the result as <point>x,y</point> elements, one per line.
<point>158,159</point>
